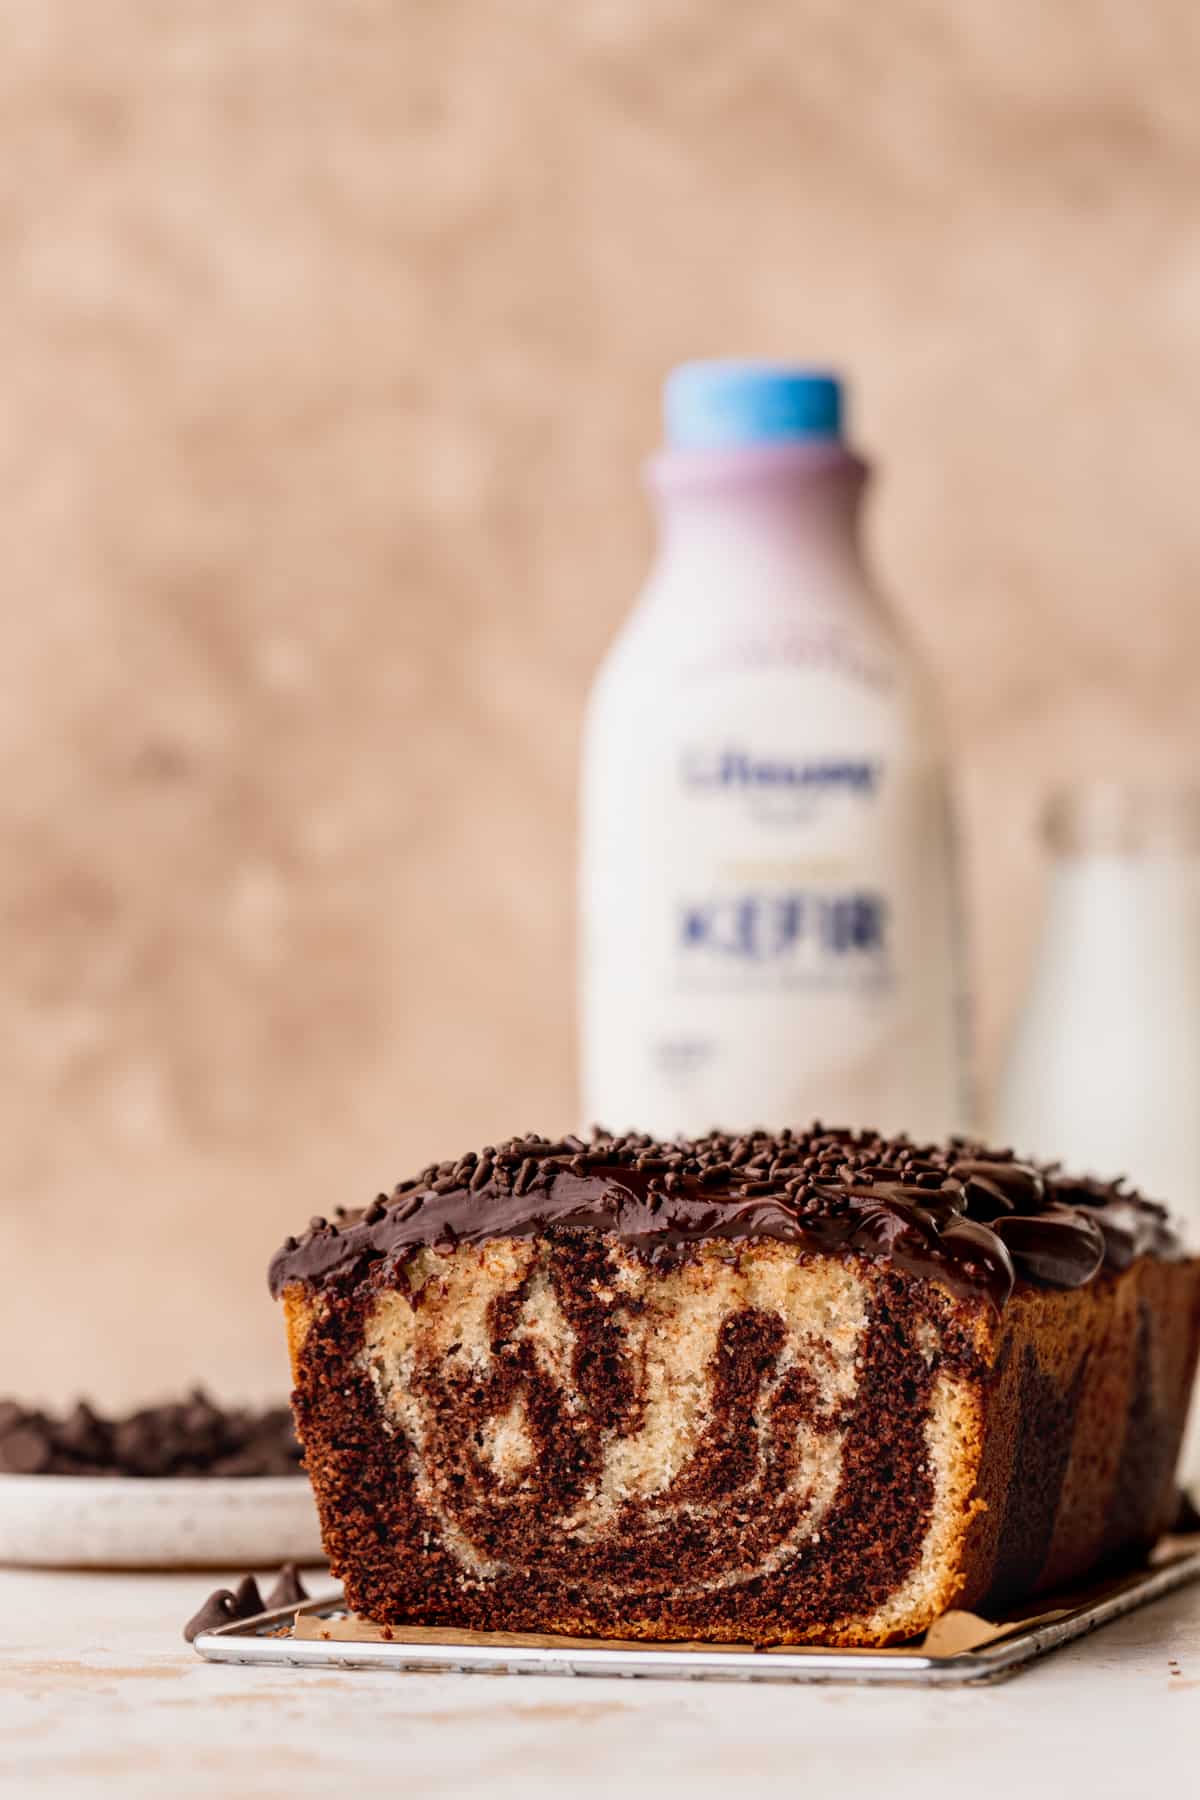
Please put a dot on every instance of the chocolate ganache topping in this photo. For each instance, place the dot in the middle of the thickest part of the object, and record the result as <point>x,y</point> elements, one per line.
<point>973,1218</point>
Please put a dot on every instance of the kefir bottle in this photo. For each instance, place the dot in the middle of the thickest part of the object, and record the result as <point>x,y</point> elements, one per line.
<point>769,917</point>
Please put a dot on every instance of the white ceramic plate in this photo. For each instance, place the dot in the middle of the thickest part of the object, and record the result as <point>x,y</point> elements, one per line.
<point>99,1522</point>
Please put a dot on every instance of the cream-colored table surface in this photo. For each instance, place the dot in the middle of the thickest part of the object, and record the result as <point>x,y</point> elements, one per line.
<point>98,1695</point>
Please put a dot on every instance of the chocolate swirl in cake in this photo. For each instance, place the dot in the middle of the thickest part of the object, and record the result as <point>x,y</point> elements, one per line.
<point>973,1218</point>
<point>576,1423</point>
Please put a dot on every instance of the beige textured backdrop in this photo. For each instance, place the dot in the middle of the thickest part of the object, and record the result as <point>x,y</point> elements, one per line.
<point>330,338</point>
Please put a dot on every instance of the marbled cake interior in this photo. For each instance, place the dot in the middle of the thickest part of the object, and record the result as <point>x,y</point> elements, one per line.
<point>678,1436</point>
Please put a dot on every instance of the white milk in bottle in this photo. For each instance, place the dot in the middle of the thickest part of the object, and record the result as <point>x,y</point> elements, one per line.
<point>1103,1072</point>
<point>769,928</point>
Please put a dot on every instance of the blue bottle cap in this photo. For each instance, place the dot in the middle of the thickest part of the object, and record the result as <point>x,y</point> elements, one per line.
<point>730,405</point>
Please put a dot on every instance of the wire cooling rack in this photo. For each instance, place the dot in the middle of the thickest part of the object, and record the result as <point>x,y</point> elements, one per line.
<point>959,1649</point>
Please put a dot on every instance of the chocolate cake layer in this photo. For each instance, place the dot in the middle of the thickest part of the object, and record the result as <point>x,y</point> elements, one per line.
<point>973,1218</point>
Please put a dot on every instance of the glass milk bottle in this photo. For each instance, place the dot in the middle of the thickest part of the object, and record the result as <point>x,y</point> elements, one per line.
<point>768,903</point>
<point>1104,1067</point>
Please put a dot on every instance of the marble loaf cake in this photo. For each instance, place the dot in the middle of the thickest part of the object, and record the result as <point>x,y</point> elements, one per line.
<point>809,1388</point>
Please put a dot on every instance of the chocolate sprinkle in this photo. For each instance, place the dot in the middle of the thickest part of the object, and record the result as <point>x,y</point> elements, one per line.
<point>973,1218</point>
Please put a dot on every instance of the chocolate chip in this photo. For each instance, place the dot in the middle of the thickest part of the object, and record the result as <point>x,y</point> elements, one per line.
<point>225,1608</point>
<point>188,1437</point>
<point>246,1599</point>
<point>26,1451</point>
<point>1187,1517</point>
<point>11,1415</point>
<point>82,1435</point>
<point>288,1590</point>
<point>217,1610</point>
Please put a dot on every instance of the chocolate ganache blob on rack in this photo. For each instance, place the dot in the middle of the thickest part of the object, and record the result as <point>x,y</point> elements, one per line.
<point>975,1219</point>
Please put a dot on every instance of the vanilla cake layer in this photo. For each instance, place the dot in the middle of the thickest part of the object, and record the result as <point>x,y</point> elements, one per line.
<point>729,1437</point>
